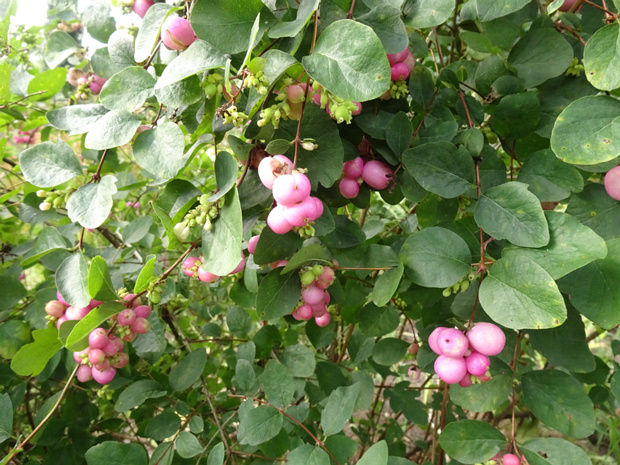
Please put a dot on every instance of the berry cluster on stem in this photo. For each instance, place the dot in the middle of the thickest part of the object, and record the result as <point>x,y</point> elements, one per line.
<point>314,296</point>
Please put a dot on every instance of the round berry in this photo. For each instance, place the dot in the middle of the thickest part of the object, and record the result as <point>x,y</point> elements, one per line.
<point>612,183</point>
<point>206,276</point>
<point>84,374</point>
<point>177,33</point>
<point>477,364</point>
<point>61,299</point>
<point>486,338</point>
<point>353,169</point>
<point>452,343</point>
<point>270,168</point>
<point>465,382</point>
<point>73,313</point>
<point>119,360</point>
<point>323,320</point>
<point>252,244</point>
<point>114,346</point>
<point>511,459</point>
<point>96,356</point>
<point>98,338</point>
<point>394,58</point>
<point>302,213</point>
<point>126,317</point>
<point>450,370</point>
<point>319,310</point>
<point>103,377</point>
<point>313,295</point>
<point>377,174</point>
<point>277,220</point>
<point>55,308</point>
<point>140,326</point>
<point>400,71</point>
<point>142,311</point>
<point>240,266</point>
<point>142,6</point>
<point>432,339</point>
<point>349,188</point>
<point>304,312</point>
<point>290,189</point>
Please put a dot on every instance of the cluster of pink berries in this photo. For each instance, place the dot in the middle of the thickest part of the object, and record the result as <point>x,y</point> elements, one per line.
<point>135,205</point>
<point>61,311</point>
<point>177,33</point>
<point>314,295</point>
<point>375,173</point>
<point>191,267</point>
<point>23,138</point>
<point>401,64</point>
<point>85,82</point>
<point>291,190</point>
<point>462,356</point>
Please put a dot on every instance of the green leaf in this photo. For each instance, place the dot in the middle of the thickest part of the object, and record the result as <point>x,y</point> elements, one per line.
<point>553,451</point>
<point>187,445</point>
<point>76,119</point>
<point>399,133</point>
<point>509,211</point>
<point>483,397</point>
<point>163,426</point>
<point>31,359</point>
<point>160,150</point>
<point>168,225</point>
<point>188,370</point>
<point>72,280</point>
<point>350,62</point>
<point>292,28</point>
<point>541,54</point>
<point>299,360</point>
<point>277,295</point>
<point>376,322</point>
<point>91,203</point>
<point>48,241</point>
<point>585,132</point>
<point>148,33</point>
<point>595,288</point>
<point>259,425</point>
<point>198,57</point>
<point>376,455</point>
<point>403,399</point>
<point>13,335</point>
<point>386,21</point>
<point>137,393</point>
<point>121,50</point>
<point>177,198</point>
<point>6,417</point>
<point>421,86</point>
<point>58,48</point>
<point>146,276</point>
<point>225,25</point>
<point>272,247</point>
<point>435,257</point>
<point>78,338</point>
<point>516,116</point>
<point>596,210</point>
<point>308,455</point>
<point>116,453</point>
<point>427,13</point>
<point>559,401</point>
<point>100,285</point>
<point>386,285</point>
<point>571,246</point>
<point>225,174</point>
<point>50,81</point>
<point>48,164</point>
<point>600,57</point>
<point>518,293</point>
<point>127,90</point>
<point>217,455</point>
<point>310,253</point>
<point>98,21</point>
<point>441,168</point>
<point>137,229</point>
<point>488,10</point>
<point>239,321</point>
<point>277,384</point>
<point>221,247</point>
<point>113,129</point>
<point>339,408</point>
<point>245,377</point>
<point>277,146</point>
<point>549,178</point>
<point>389,351</point>
<point>471,441</point>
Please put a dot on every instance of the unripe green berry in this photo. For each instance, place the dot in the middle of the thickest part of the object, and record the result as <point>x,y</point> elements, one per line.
<point>447,292</point>
<point>307,278</point>
<point>317,270</point>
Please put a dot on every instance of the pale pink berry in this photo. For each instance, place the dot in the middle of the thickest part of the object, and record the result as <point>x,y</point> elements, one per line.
<point>84,374</point>
<point>190,266</point>
<point>466,381</point>
<point>304,312</point>
<point>477,364</point>
<point>511,459</point>
<point>301,213</point>
<point>327,276</point>
<point>319,207</point>
<point>73,313</point>
<point>312,295</point>
<point>377,174</point>
<point>61,299</point>
<point>432,339</point>
<point>126,317</point>
<point>104,365</point>
<point>612,183</point>
<point>60,321</point>
<point>142,311</point>
<point>353,169</point>
<point>130,297</point>
<point>319,310</point>
<point>81,356</point>
<point>98,338</point>
<point>142,6</point>
<point>278,264</point>
<point>486,338</point>
<point>400,71</point>
<point>55,308</point>
<point>326,297</point>
<point>130,336</point>
<point>141,129</point>
<point>394,58</point>
<point>567,5</point>
<point>349,188</point>
<point>358,108</point>
<point>119,360</point>
<point>450,370</point>
<point>270,168</point>
<point>114,346</point>
<point>96,356</point>
<point>277,220</point>
<point>295,315</point>
<point>140,326</point>
<point>452,343</point>
<point>409,62</point>
<point>295,93</point>
<point>323,320</point>
<point>484,378</point>
<point>252,244</point>
<point>290,189</point>
<point>96,84</point>
<point>206,276</point>
<point>177,33</point>
<point>104,377</point>
<point>94,303</point>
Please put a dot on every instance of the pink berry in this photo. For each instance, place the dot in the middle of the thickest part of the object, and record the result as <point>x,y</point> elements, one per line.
<point>567,5</point>
<point>452,343</point>
<point>142,6</point>
<point>98,338</point>
<point>400,71</point>
<point>477,364</point>
<point>140,326</point>
<point>104,365</point>
<point>486,338</point>
<point>394,58</point>
<point>612,183</point>
<point>353,169</point>
<point>312,295</point>
<point>290,189</point>
<point>432,339</point>
<point>278,264</point>
<point>119,360</point>
<point>349,188</point>
<point>114,346</point>
<point>277,220</point>
<point>81,357</point>
<point>409,62</point>
<point>130,336</point>
<point>104,377</point>
<point>301,213</point>
<point>319,207</point>
<point>190,266</point>
<point>97,84</point>
<point>450,370</point>
<point>96,356</point>
<point>377,174</point>
<point>84,374</point>
<point>61,299</point>
<point>206,276</point>
<point>60,321</point>
<point>466,381</point>
<point>511,459</point>
<point>295,93</point>
<point>126,317</point>
<point>270,168</point>
<point>132,297</point>
<point>240,266</point>
<point>140,130</point>
<point>177,33</point>
<point>94,303</point>
<point>142,311</point>
<point>358,108</point>
<point>304,312</point>
<point>323,320</point>
<point>319,310</point>
<point>252,244</point>
<point>484,378</point>
<point>55,308</point>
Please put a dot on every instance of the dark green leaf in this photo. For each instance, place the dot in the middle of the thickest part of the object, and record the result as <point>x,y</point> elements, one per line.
<point>188,370</point>
<point>277,384</point>
<point>516,116</point>
<point>127,90</point>
<point>389,351</point>
<point>272,247</point>
<point>386,285</point>
<point>98,21</point>
<point>600,55</point>
<point>48,164</point>
<point>48,241</point>
<point>245,377</point>
<point>177,198</point>
<point>488,10</point>
<point>376,455</point>
<point>30,359</point>
<point>596,210</point>
<point>385,20</point>
<point>339,409</point>
<point>399,133</point>
<point>549,178</point>
<point>299,360</point>
<point>160,150</point>
<point>376,322</point>
<point>91,203</point>
<point>217,455</point>
<point>137,393</point>
<point>100,285</point>
<point>310,253</point>
<point>292,28</point>
<point>471,441</point>
<point>187,445</point>
<point>421,86</point>
<point>553,451</point>
<point>6,417</point>
<point>277,295</point>
<point>308,455</point>
<point>483,397</point>
<point>116,453</point>
<point>225,174</point>
<point>163,426</point>
<point>72,280</point>
<point>259,425</point>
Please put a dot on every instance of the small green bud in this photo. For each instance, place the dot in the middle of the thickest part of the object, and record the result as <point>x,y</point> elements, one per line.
<point>447,292</point>
<point>464,286</point>
<point>41,193</point>
<point>307,278</point>
<point>317,270</point>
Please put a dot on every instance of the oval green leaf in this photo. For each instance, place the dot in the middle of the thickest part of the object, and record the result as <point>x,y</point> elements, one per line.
<point>48,164</point>
<point>471,441</point>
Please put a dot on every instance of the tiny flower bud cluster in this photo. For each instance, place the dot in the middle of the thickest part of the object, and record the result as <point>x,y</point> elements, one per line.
<point>314,295</point>
<point>375,173</point>
<point>86,83</point>
<point>290,97</point>
<point>339,109</point>
<point>463,356</point>
<point>202,215</point>
<point>232,116</point>
<point>258,79</point>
